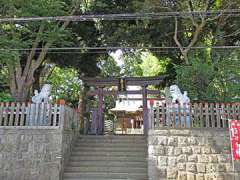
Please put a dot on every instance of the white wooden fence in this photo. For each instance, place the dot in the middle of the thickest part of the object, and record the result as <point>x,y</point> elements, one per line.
<point>193,115</point>
<point>21,114</point>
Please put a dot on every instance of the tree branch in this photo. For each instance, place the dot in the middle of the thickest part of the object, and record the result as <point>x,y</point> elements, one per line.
<point>33,50</point>
<point>44,51</point>
<point>195,35</point>
<point>176,35</point>
<point>12,80</point>
<point>177,41</point>
<point>190,9</point>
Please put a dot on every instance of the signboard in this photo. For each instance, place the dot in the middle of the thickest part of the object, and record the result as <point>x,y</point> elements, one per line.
<point>235,138</point>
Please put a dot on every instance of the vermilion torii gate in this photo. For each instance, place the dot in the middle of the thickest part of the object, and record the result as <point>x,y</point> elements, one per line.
<point>122,83</point>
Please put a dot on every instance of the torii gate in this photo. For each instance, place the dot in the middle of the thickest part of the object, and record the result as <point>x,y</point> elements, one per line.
<point>100,83</point>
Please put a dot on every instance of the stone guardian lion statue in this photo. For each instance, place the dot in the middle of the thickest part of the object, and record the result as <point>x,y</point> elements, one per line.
<point>43,95</point>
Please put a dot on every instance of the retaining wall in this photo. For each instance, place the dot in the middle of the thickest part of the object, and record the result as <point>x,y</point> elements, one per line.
<point>190,155</point>
<point>34,153</point>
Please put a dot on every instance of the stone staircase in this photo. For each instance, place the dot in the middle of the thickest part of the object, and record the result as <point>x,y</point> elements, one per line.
<point>108,158</point>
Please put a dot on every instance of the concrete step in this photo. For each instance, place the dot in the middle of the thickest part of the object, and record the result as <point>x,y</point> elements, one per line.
<point>102,179</point>
<point>109,149</point>
<point>103,175</point>
<point>105,169</point>
<point>107,163</point>
<point>112,140</point>
<point>108,158</point>
<point>110,145</point>
<point>109,153</point>
<point>112,137</point>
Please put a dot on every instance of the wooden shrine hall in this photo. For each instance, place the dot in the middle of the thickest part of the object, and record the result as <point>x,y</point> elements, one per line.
<point>101,85</point>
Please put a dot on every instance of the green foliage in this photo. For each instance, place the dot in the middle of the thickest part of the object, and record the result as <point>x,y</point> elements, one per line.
<point>206,78</point>
<point>211,81</point>
<point>132,64</point>
<point>3,78</point>
<point>196,79</point>
<point>135,64</point>
<point>24,35</point>
<point>5,97</point>
<point>109,67</point>
<point>152,66</point>
<point>65,85</point>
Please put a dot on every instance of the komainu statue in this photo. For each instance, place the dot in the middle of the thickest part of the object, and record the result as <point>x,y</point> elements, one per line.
<point>177,96</point>
<point>180,102</point>
<point>43,95</point>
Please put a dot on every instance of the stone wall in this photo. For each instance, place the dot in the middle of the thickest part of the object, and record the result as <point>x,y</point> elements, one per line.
<point>190,155</point>
<point>34,153</point>
<point>68,139</point>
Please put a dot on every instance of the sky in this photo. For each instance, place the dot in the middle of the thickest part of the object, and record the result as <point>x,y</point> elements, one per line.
<point>118,57</point>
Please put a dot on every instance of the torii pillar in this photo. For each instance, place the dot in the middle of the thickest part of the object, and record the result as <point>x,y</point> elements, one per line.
<point>100,119</point>
<point>145,109</point>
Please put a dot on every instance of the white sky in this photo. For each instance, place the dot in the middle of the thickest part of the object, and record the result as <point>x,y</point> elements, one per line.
<point>118,57</point>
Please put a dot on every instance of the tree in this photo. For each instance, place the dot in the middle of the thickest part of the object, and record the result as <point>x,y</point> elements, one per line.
<point>201,26</point>
<point>4,90</point>
<point>65,85</point>
<point>31,35</point>
<point>152,66</point>
<point>211,81</point>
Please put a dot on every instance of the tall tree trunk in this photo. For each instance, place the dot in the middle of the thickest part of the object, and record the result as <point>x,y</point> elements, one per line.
<point>37,78</point>
<point>22,75</point>
<point>20,84</point>
<point>21,94</point>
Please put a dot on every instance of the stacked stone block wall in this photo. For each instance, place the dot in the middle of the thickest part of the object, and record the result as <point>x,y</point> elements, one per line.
<point>28,153</point>
<point>190,155</point>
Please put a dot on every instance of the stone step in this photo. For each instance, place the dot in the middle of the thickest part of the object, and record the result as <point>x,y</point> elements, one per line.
<point>112,137</point>
<point>109,149</point>
<point>108,158</point>
<point>113,140</point>
<point>105,169</point>
<point>109,153</point>
<point>103,175</point>
<point>107,163</point>
<point>111,145</point>
<point>102,179</point>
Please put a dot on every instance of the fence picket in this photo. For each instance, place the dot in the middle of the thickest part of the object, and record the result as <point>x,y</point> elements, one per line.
<point>41,114</point>
<point>228,111</point>
<point>201,115</point>
<point>163,114</point>
<point>157,115</point>
<point>174,116</point>
<point>22,114</point>
<point>55,115</point>
<point>12,112</point>
<point>222,115</point>
<point>234,107</point>
<point>207,114</point>
<point>212,115</point>
<point>16,119</point>
<point>49,119</point>
<point>185,114</point>
<point>217,111</point>
<point>190,115</point>
<point>152,125</point>
<point>1,114</point>
<point>28,114</point>
<point>179,116</point>
<point>5,114</point>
